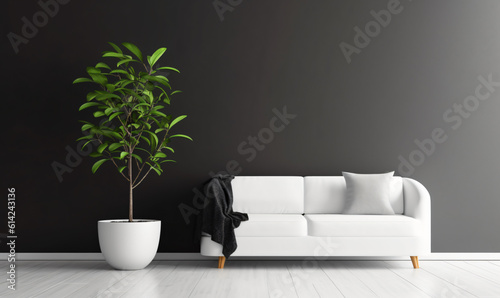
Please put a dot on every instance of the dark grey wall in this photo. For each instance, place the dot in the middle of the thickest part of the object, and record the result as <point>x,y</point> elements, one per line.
<point>361,116</point>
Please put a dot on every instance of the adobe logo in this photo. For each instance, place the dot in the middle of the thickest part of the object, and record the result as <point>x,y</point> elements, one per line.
<point>30,27</point>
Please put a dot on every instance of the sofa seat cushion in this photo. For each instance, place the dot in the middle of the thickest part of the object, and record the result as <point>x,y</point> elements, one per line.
<point>272,225</point>
<point>348,225</point>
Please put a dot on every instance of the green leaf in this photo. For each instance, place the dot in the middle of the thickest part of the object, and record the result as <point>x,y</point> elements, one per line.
<point>134,49</point>
<point>168,160</point>
<point>82,80</point>
<point>98,114</point>
<point>159,130</point>
<point>156,121</point>
<point>98,164</point>
<point>114,146</point>
<point>91,69</point>
<point>146,139</point>
<point>148,126</point>
<point>119,71</point>
<point>140,105</point>
<point>169,68</point>
<point>88,104</point>
<point>123,154</point>
<point>160,155</point>
<point>150,86</point>
<point>180,136</point>
<point>158,79</point>
<point>115,115</point>
<point>113,54</point>
<point>102,65</point>
<point>131,92</point>
<point>175,92</point>
<point>117,48</point>
<point>107,95</point>
<point>120,169</point>
<point>109,110</point>
<point>148,95</point>
<point>91,95</point>
<point>99,78</point>
<point>176,120</point>
<point>162,77</point>
<point>102,147</point>
<point>170,149</point>
<point>95,154</point>
<point>125,61</point>
<point>137,157</point>
<point>86,144</point>
<point>110,87</point>
<point>112,134</point>
<point>156,113</point>
<point>87,126</point>
<point>153,138</point>
<point>157,171</point>
<point>87,137</point>
<point>156,56</point>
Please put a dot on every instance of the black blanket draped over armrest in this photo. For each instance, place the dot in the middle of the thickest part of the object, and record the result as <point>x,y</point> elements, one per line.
<point>218,218</point>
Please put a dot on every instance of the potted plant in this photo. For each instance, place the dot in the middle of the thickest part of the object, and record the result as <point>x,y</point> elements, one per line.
<point>132,130</point>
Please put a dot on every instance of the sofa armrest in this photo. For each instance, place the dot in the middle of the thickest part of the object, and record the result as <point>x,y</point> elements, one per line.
<point>417,204</point>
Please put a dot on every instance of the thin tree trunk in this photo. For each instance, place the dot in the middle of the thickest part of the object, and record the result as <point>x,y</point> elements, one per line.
<point>131,198</point>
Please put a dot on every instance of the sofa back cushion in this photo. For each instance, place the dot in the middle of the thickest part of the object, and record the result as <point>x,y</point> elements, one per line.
<point>327,194</point>
<point>268,194</point>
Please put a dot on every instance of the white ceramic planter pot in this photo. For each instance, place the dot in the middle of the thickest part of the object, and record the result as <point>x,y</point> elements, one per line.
<point>129,245</point>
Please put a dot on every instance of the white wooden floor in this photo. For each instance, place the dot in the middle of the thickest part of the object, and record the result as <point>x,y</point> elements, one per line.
<point>273,279</point>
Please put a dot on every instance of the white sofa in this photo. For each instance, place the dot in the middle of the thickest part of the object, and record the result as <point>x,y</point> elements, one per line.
<point>302,216</point>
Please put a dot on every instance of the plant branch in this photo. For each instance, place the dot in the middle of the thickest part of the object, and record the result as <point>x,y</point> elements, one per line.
<point>145,175</point>
<point>113,160</point>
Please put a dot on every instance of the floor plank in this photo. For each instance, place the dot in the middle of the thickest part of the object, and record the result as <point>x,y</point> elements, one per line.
<point>179,282</point>
<point>46,277</point>
<point>243,279</point>
<point>123,281</point>
<point>311,281</point>
<point>481,269</point>
<point>279,280</point>
<point>213,283</point>
<point>495,263</point>
<point>144,280</point>
<point>348,284</point>
<point>486,265</point>
<point>100,280</point>
<point>425,281</point>
<point>61,290</point>
<point>463,279</point>
<point>383,282</point>
<point>273,279</point>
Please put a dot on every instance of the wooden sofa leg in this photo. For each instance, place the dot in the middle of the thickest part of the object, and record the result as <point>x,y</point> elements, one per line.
<point>222,260</point>
<point>414,261</point>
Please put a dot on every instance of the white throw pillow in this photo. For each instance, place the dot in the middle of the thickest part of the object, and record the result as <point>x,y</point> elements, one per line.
<point>368,193</point>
